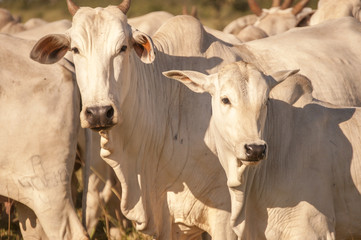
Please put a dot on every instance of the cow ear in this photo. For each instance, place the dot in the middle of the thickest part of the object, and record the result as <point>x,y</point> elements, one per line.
<point>195,81</point>
<point>303,18</point>
<point>50,49</point>
<point>295,90</point>
<point>143,46</point>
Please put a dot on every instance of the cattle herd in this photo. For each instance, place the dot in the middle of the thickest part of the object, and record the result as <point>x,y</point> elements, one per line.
<point>184,131</point>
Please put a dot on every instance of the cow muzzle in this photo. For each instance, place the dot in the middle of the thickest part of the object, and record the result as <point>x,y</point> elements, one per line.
<point>254,153</point>
<point>100,117</point>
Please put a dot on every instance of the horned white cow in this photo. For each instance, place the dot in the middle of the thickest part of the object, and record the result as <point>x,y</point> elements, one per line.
<point>173,187</point>
<point>40,106</point>
<point>268,22</point>
<point>307,184</point>
<point>331,9</point>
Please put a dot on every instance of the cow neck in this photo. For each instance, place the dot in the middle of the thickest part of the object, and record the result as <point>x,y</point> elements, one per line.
<point>145,145</point>
<point>280,125</point>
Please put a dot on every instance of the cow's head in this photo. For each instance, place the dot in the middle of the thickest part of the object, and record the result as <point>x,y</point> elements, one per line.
<point>280,18</point>
<point>101,42</point>
<point>240,94</point>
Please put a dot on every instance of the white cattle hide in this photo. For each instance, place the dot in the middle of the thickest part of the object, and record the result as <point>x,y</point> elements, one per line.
<point>40,106</point>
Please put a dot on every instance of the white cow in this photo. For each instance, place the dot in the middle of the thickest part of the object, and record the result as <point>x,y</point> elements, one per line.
<point>269,22</point>
<point>307,184</point>
<point>40,106</point>
<point>333,66</point>
<point>331,9</point>
<point>172,186</point>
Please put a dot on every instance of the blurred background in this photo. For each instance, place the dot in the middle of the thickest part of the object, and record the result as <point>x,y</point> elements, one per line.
<point>212,13</point>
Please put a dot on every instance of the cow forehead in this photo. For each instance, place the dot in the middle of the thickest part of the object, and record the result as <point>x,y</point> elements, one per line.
<point>98,22</point>
<point>241,78</point>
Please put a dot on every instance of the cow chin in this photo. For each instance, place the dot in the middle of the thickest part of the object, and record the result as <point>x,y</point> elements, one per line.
<point>248,162</point>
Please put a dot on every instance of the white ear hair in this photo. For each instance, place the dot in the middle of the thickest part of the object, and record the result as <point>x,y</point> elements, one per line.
<point>143,46</point>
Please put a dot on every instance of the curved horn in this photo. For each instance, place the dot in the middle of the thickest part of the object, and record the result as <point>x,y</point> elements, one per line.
<point>286,4</point>
<point>255,8</point>
<point>72,7</point>
<point>184,10</point>
<point>299,6</point>
<point>124,6</point>
<point>276,3</point>
<point>194,12</point>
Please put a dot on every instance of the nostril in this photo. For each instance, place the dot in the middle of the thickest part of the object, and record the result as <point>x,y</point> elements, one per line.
<point>110,112</point>
<point>264,150</point>
<point>89,112</point>
<point>248,149</point>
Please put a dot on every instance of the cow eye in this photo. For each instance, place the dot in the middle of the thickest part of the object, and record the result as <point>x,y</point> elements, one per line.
<point>225,100</point>
<point>75,50</point>
<point>123,48</point>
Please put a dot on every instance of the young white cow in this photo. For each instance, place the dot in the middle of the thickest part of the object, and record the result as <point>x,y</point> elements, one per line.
<point>293,170</point>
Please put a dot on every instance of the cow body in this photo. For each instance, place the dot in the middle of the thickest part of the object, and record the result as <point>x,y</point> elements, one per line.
<point>328,49</point>
<point>40,105</point>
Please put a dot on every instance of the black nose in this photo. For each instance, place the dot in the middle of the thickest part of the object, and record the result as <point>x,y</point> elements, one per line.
<point>100,117</point>
<point>255,152</point>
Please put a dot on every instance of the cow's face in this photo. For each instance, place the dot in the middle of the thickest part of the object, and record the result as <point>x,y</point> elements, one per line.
<point>101,42</point>
<point>239,107</point>
<point>276,20</point>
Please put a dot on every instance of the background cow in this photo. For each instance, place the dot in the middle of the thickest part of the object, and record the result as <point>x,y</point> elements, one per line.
<point>40,105</point>
<point>331,9</point>
<point>268,22</point>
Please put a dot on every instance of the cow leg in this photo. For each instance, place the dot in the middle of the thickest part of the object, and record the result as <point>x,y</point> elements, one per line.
<point>30,226</point>
<point>221,226</point>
